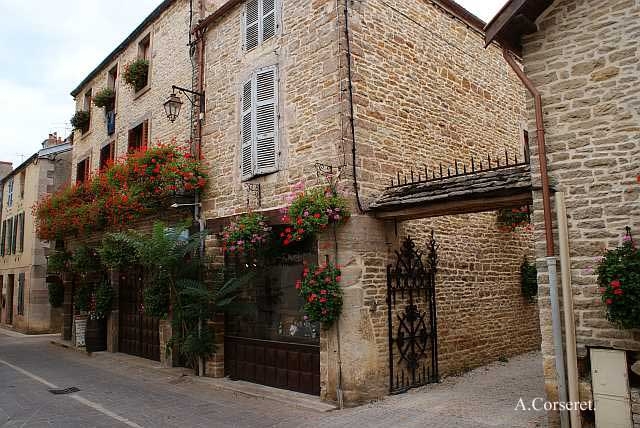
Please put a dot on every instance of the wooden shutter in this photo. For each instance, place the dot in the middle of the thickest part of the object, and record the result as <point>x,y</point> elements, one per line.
<point>21,241</point>
<point>251,25</point>
<point>268,19</point>
<point>247,137</point>
<point>4,237</point>
<point>14,241</point>
<point>145,133</point>
<point>266,145</point>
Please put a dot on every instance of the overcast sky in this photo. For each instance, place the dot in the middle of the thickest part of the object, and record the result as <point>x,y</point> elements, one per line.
<point>48,47</point>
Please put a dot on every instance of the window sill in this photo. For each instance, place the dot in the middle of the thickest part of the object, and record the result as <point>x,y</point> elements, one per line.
<point>141,92</point>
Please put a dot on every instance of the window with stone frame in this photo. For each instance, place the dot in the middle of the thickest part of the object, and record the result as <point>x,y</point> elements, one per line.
<point>259,127</point>
<point>107,154</point>
<point>259,22</point>
<point>144,52</point>
<point>83,171</point>
<point>138,137</point>
<point>86,106</point>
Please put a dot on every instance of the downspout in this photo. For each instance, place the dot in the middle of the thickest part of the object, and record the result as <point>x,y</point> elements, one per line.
<point>567,304</point>
<point>551,259</point>
<point>351,112</point>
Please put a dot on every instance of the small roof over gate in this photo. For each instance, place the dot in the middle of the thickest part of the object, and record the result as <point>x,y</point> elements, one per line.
<point>504,187</point>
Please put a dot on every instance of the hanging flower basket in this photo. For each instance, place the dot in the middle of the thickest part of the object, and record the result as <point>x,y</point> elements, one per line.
<point>320,289</point>
<point>136,74</point>
<point>313,211</point>
<point>246,234</point>
<point>80,120</point>
<point>104,98</point>
<point>619,280</point>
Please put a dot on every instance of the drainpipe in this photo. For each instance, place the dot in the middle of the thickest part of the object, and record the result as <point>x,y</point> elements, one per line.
<point>551,259</point>
<point>567,304</point>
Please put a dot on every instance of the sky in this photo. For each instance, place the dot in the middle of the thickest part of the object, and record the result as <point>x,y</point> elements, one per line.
<point>48,47</point>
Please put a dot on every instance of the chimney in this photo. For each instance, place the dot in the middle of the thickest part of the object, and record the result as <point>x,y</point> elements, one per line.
<point>53,140</point>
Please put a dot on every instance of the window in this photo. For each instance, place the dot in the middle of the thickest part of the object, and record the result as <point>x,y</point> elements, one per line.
<point>259,130</point>
<point>7,250</point>
<point>82,173</point>
<point>112,78</point>
<point>144,52</point>
<point>3,241</point>
<point>21,293</point>
<point>23,179</point>
<point>139,137</point>
<point>107,154</point>
<point>21,227</point>
<point>86,106</point>
<point>259,22</point>
<point>10,193</point>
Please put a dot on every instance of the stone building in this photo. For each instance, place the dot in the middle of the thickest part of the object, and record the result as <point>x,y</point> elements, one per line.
<point>24,303</point>
<point>366,90</point>
<point>582,58</point>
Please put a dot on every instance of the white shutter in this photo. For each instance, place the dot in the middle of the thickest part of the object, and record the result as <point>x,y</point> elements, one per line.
<point>251,25</point>
<point>268,17</point>
<point>247,137</point>
<point>266,151</point>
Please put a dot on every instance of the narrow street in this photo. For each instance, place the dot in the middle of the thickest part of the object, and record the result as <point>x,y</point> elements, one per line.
<point>121,391</point>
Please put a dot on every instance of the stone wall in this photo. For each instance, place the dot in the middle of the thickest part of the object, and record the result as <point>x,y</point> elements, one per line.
<point>425,91</point>
<point>170,64</point>
<point>482,314</point>
<point>584,61</point>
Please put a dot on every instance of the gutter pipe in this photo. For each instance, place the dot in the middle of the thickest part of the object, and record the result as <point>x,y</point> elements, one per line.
<point>551,259</point>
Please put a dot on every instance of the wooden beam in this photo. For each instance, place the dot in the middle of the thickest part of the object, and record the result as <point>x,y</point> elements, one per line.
<point>493,28</point>
<point>468,206</point>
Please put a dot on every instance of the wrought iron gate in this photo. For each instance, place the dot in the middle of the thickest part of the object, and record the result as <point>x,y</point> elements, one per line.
<point>411,299</point>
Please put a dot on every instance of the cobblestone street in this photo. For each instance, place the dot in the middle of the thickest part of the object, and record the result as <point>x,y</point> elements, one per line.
<point>119,391</point>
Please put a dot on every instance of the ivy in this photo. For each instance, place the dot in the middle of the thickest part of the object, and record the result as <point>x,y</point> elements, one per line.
<point>529,280</point>
<point>56,294</point>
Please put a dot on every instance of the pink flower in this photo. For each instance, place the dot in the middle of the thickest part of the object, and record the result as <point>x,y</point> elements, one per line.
<point>615,283</point>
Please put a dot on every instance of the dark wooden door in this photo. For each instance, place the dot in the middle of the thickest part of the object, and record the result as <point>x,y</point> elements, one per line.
<point>284,365</point>
<point>139,333</point>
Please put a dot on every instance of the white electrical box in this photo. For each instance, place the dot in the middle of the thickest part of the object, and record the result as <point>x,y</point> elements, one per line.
<point>610,382</point>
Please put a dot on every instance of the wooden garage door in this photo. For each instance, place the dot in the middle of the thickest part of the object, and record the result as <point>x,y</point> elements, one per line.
<point>282,365</point>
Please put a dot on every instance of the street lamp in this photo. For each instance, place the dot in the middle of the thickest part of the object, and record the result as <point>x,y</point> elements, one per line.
<point>172,107</point>
<point>173,104</point>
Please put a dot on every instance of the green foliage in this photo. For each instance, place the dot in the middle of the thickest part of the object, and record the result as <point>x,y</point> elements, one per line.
<point>85,260</point>
<point>56,294</point>
<point>116,252</point>
<point>80,120</point>
<point>529,280</point>
<point>312,211</point>
<point>320,289</point>
<point>510,219</point>
<point>104,98</point>
<point>103,300</point>
<point>619,280</point>
<point>58,261</point>
<point>136,74</point>
<point>82,298</point>
<point>246,234</point>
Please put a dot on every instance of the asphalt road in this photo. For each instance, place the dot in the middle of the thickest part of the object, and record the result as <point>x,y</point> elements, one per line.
<point>117,393</point>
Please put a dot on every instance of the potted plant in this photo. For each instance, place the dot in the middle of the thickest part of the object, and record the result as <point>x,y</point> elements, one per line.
<point>99,308</point>
<point>80,120</point>
<point>136,74</point>
<point>320,289</point>
<point>104,98</point>
<point>510,219</point>
<point>313,211</point>
<point>619,280</point>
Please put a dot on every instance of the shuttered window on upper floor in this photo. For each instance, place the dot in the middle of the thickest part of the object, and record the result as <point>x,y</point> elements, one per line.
<point>259,127</point>
<point>260,22</point>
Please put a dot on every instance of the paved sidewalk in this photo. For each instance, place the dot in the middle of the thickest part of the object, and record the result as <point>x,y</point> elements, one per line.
<point>118,390</point>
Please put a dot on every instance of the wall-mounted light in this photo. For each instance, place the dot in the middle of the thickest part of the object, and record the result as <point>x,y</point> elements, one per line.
<point>173,103</point>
